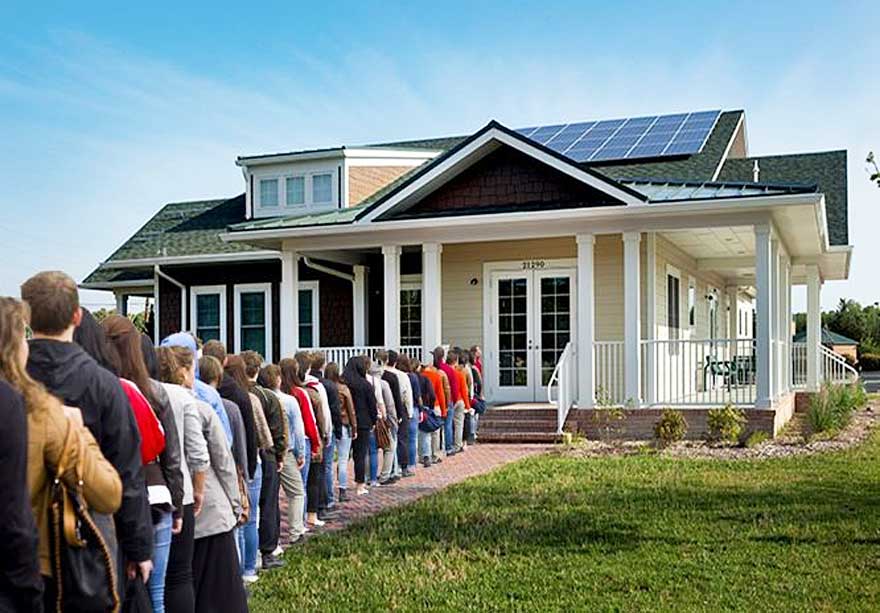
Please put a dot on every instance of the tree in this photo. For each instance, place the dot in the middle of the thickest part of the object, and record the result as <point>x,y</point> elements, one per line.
<point>875,174</point>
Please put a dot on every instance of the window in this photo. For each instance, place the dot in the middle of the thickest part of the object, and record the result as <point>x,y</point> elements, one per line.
<point>322,188</point>
<point>673,305</point>
<point>268,192</point>
<point>208,312</point>
<point>692,303</point>
<point>295,191</point>
<point>253,319</point>
<point>410,314</point>
<point>713,314</point>
<point>309,314</point>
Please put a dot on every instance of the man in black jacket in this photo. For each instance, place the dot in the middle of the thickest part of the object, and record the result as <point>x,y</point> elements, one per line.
<point>20,582</point>
<point>400,455</point>
<point>230,390</point>
<point>71,374</point>
<point>317,371</point>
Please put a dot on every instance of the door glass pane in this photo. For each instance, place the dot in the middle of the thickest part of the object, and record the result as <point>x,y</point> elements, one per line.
<point>411,317</point>
<point>208,317</point>
<point>513,357</point>
<point>253,322</point>
<point>555,318</point>
<point>306,332</point>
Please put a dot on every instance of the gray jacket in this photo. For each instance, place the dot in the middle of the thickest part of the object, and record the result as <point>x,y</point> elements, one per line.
<point>193,447</point>
<point>221,506</point>
<point>239,449</point>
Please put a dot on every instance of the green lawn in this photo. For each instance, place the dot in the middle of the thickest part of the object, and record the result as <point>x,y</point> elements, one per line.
<point>630,534</point>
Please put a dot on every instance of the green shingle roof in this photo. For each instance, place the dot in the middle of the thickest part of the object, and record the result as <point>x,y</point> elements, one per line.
<point>828,338</point>
<point>826,169</point>
<point>103,275</point>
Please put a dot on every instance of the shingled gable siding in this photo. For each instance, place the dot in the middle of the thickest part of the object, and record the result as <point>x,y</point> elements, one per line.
<point>507,178</point>
<point>169,308</point>
<point>337,318</point>
<point>364,181</point>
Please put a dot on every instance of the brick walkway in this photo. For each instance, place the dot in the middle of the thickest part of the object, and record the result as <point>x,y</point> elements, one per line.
<point>477,460</point>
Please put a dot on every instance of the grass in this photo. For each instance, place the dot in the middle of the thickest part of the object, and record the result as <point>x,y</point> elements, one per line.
<point>634,533</point>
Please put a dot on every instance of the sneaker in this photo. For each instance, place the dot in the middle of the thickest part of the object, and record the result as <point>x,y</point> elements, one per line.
<point>409,473</point>
<point>318,523</point>
<point>270,561</point>
<point>426,462</point>
<point>295,538</point>
<point>437,460</point>
<point>385,481</point>
<point>363,492</point>
<point>374,484</point>
<point>259,564</point>
<point>250,578</point>
<point>327,515</point>
<point>343,496</point>
<point>278,551</point>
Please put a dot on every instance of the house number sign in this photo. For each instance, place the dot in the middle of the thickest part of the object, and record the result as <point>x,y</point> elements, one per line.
<point>533,264</point>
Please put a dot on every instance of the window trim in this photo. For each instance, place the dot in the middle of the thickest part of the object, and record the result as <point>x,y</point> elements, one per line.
<point>295,205</point>
<point>278,192</point>
<point>673,272</point>
<point>308,203</point>
<point>692,285</point>
<point>328,173</point>
<point>240,289</point>
<point>315,288</point>
<point>409,283</point>
<point>197,290</point>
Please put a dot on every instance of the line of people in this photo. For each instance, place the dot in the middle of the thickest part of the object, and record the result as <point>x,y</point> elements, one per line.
<point>183,450</point>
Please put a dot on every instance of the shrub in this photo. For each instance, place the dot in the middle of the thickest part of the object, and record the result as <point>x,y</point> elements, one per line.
<point>756,438</point>
<point>609,422</point>
<point>726,424</point>
<point>832,406</point>
<point>869,361</point>
<point>671,427</point>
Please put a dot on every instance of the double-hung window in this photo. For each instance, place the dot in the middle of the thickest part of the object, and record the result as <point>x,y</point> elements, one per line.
<point>295,191</point>
<point>253,319</point>
<point>411,313</point>
<point>208,312</point>
<point>692,303</point>
<point>268,192</point>
<point>322,188</point>
<point>673,305</point>
<point>309,313</point>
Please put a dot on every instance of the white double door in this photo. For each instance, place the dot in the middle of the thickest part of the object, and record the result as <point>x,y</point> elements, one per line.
<point>531,319</point>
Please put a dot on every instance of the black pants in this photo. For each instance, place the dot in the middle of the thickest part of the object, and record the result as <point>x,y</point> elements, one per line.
<point>217,575</point>
<point>360,449</point>
<point>403,443</point>
<point>269,531</point>
<point>315,487</point>
<point>179,595</point>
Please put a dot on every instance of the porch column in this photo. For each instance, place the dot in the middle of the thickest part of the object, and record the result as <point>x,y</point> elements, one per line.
<point>784,326</point>
<point>121,304</point>
<point>631,321</point>
<point>359,299</point>
<point>774,316</point>
<point>763,316</point>
<point>586,381</point>
<point>814,328</point>
<point>391,255</point>
<point>432,298</point>
<point>732,292</point>
<point>650,364</point>
<point>289,301</point>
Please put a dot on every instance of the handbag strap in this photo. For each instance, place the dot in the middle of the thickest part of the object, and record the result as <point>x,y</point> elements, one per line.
<point>68,513</point>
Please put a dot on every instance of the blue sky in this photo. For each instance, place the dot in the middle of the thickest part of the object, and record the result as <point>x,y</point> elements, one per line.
<point>109,110</point>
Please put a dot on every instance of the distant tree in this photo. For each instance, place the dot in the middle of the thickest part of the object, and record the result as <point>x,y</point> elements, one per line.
<point>103,313</point>
<point>852,320</point>
<point>874,171</point>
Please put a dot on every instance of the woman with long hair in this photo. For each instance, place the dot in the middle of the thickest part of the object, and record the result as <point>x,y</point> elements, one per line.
<point>216,571</point>
<point>366,412</point>
<point>90,336</point>
<point>349,427</point>
<point>162,474</point>
<point>53,431</point>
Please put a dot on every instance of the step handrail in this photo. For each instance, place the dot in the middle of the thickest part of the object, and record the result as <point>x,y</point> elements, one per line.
<point>562,377</point>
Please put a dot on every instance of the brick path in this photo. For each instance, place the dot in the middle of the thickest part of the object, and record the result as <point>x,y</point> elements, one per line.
<point>477,460</point>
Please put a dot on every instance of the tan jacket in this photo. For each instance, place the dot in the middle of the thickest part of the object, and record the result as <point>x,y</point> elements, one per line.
<point>349,417</point>
<point>49,430</point>
<point>264,435</point>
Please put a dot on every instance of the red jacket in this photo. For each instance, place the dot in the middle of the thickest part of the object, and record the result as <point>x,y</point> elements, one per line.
<point>152,435</point>
<point>308,417</point>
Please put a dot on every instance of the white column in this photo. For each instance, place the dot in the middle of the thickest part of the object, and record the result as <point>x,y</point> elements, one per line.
<point>121,304</point>
<point>763,314</point>
<point>650,364</point>
<point>631,321</point>
<point>359,300</point>
<point>289,301</point>
<point>814,328</point>
<point>784,326</point>
<point>391,276</point>
<point>432,296</point>
<point>774,316</point>
<point>732,292</point>
<point>586,380</point>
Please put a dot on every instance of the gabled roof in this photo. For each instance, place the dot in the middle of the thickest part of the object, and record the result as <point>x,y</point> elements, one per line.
<point>828,338</point>
<point>672,190</point>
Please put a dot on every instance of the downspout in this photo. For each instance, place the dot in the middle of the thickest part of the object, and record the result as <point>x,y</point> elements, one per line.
<point>160,273</point>
<point>326,269</point>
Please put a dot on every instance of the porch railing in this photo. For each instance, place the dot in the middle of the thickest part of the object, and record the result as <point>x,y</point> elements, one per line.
<point>563,378</point>
<point>341,355</point>
<point>700,372</point>
<point>798,365</point>
<point>608,363</point>
<point>832,366</point>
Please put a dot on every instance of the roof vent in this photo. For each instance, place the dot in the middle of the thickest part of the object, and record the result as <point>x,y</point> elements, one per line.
<point>756,172</point>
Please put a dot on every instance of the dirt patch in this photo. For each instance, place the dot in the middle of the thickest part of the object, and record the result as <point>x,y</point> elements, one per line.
<point>791,442</point>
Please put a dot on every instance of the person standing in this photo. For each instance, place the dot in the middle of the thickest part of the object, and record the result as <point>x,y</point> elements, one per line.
<point>318,362</point>
<point>404,397</point>
<point>461,400</point>
<point>364,400</point>
<point>404,365</point>
<point>442,393</point>
<point>349,430</point>
<point>388,412</point>
<point>451,385</point>
<point>69,373</point>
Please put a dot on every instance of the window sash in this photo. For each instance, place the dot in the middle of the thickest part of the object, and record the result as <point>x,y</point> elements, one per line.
<point>268,192</point>
<point>295,191</point>
<point>322,188</point>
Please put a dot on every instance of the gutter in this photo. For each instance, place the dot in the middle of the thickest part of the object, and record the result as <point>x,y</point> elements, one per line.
<point>326,269</point>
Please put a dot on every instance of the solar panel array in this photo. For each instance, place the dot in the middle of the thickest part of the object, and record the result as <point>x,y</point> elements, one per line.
<point>628,139</point>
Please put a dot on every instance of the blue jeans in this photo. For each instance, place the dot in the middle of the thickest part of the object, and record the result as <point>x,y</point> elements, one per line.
<point>414,437</point>
<point>374,458</point>
<point>343,452</point>
<point>449,430</point>
<point>304,471</point>
<point>424,445</point>
<point>161,547</point>
<point>328,470</point>
<point>248,540</point>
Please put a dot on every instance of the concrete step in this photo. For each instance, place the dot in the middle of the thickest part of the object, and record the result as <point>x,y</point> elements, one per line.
<point>548,425</point>
<point>518,437</point>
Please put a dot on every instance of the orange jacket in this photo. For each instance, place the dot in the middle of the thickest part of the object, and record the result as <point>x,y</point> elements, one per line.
<point>436,378</point>
<point>462,390</point>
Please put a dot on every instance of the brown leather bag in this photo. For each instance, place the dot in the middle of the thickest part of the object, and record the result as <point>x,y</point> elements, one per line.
<point>383,434</point>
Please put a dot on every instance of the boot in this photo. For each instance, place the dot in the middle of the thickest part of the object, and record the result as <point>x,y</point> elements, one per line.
<point>342,495</point>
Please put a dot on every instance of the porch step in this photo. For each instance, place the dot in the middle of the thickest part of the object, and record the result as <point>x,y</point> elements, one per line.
<point>518,437</point>
<point>519,424</point>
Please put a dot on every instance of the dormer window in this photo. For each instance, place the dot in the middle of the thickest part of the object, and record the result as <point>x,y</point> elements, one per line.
<point>268,192</point>
<point>322,188</point>
<point>296,191</point>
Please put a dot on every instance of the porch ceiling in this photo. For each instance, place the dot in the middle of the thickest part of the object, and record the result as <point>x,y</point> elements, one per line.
<point>722,242</point>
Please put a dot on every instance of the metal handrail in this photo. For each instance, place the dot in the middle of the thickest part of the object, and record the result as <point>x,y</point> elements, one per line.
<point>560,376</point>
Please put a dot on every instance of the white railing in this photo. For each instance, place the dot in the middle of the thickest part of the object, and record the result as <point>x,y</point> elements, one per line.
<point>563,378</point>
<point>834,367</point>
<point>609,363</point>
<point>798,365</point>
<point>700,372</point>
<point>341,355</point>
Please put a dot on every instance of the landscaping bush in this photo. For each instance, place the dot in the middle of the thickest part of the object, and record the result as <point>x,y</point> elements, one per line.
<point>832,407</point>
<point>726,424</point>
<point>671,427</point>
<point>756,438</point>
<point>869,361</point>
<point>609,422</point>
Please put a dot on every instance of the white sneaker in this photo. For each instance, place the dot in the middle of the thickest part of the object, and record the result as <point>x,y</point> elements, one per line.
<point>278,552</point>
<point>318,523</point>
<point>363,492</point>
<point>259,564</point>
<point>250,578</point>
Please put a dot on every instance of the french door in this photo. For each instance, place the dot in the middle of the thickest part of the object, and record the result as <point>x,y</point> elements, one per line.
<point>531,320</point>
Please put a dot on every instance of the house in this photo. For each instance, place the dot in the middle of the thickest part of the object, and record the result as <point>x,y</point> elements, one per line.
<point>838,343</point>
<point>645,261</point>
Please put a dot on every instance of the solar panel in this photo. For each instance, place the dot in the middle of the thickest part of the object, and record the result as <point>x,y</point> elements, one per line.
<point>627,139</point>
